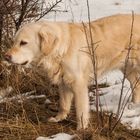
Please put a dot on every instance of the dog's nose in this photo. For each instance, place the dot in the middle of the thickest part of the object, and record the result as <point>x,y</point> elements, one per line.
<point>8,57</point>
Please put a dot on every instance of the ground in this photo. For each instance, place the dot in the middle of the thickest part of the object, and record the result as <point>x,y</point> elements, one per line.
<point>28,120</point>
<point>25,117</point>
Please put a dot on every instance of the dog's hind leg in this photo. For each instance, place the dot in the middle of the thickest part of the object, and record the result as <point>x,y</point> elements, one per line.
<point>134,78</point>
<point>65,100</point>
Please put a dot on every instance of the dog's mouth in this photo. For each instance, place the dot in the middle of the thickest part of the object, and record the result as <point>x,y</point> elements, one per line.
<point>24,63</point>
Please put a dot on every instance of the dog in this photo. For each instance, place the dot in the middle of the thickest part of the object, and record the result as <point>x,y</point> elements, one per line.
<point>65,50</point>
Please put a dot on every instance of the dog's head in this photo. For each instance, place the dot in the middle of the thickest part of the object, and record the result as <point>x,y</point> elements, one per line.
<point>31,41</point>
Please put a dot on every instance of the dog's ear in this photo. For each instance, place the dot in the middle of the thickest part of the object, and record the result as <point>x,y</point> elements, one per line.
<point>48,40</point>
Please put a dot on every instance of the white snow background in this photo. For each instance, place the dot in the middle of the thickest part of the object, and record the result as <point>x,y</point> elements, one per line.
<point>77,12</point>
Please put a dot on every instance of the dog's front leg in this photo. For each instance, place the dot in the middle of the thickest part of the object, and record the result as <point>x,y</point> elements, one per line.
<point>81,99</point>
<point>65,100</point>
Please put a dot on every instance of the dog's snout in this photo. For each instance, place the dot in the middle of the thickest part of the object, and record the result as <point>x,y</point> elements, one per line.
<point>8,57</point>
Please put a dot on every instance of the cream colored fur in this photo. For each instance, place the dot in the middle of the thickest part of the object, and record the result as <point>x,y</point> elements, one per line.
<point>61,48</point>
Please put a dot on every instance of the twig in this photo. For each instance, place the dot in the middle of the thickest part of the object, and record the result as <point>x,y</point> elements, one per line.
<point>9,11</point>
<point>126,63</point>
<point>22,13</point>
<point>94,62</point>
<point>30,9</point>
<point>119,111</point>
<point>122,111</point>
<point>49,10</point>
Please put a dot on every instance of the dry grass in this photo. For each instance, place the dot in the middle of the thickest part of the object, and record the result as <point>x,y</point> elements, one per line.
<point>28,119</point>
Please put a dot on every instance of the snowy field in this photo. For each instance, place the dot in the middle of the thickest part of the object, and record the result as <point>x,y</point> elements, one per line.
<point>76,11</point>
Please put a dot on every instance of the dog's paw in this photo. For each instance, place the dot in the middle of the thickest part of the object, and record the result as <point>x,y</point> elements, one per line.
<point>58,118</point>
<point>79,127</point>
<point>53,119</point>
<point>82,125</point>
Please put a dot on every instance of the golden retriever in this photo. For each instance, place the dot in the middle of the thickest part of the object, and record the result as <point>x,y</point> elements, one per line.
<point>63,50</point>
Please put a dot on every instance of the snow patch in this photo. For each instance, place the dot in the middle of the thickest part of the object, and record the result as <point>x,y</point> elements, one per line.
<point>109,101</point>
<point>59,136</point>
<point>21,97</point>
<point>48,101</point>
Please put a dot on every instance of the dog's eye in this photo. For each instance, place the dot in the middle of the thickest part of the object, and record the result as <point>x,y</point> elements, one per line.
<point>23,43</point>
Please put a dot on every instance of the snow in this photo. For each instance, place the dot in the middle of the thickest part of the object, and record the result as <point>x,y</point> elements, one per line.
<point>19,97</point>
<point>59,136</point>
<point>47,101</point>
<point>109,101</point>
<point>77,9</point>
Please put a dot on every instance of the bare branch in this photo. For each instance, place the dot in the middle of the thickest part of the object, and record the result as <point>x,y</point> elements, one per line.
<point>49,10</point>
